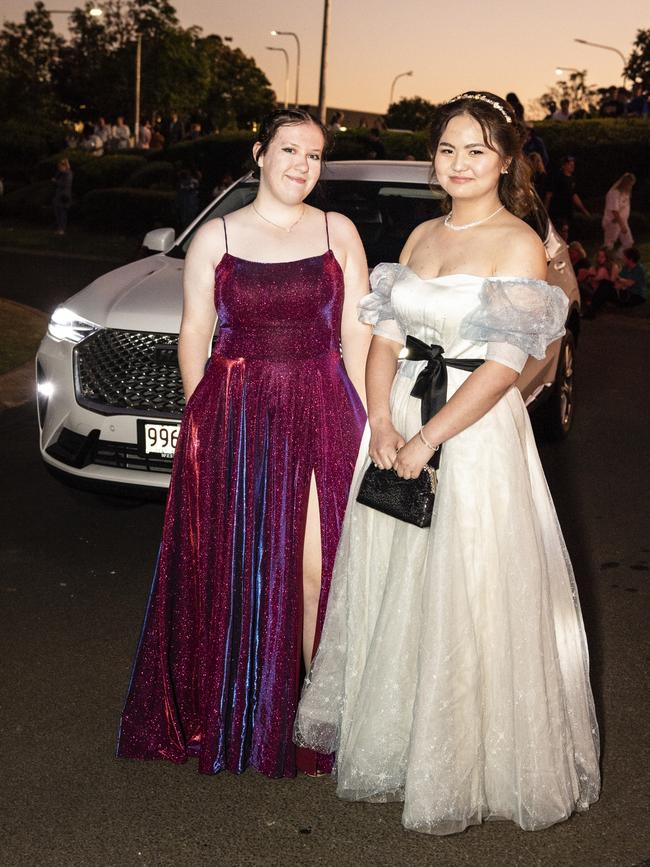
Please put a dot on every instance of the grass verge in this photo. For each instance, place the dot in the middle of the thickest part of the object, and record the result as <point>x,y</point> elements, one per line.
<point>19,235</point>
<point>21,330</point>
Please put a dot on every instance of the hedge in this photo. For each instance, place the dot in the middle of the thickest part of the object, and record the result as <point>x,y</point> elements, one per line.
<point>214,156</point>
<point>127,210</point>
<point>159,175</point>
<point>604,149</point>
<point>92,172</point>
<point>32,202</point>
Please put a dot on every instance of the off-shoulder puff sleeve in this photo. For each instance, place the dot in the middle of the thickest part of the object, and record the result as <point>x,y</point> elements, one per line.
<point>517,318</point>
<point>376,308</point>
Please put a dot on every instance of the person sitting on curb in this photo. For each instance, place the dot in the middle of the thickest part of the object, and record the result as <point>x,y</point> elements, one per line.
<point>631,285</point>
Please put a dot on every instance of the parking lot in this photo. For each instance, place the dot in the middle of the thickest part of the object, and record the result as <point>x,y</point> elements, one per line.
<point>74,576</point>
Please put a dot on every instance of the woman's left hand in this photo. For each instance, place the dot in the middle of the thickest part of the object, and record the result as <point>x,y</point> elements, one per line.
<point>411,459</point>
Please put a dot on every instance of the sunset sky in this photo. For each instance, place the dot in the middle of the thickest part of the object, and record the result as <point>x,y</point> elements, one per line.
<point>466,44</point>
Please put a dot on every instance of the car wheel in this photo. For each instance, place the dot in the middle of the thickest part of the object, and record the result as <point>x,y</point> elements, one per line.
<point>557,412</point>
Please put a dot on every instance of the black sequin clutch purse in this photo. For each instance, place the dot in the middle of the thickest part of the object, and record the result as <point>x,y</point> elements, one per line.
<point>409,500</point>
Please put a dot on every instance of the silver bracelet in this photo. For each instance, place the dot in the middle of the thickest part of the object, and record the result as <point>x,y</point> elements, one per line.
<point>434,449</point>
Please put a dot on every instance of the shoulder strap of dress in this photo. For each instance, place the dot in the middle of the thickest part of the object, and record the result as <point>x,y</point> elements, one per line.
<point>225,233</point>
<point>327,230</point>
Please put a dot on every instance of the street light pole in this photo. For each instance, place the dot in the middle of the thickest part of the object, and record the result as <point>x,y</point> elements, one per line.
<point>606,48</point>
<point>392,87</point>
<point>322,104</point>
<point>286,72</point>
<point>138,76</point>
<point>295,36</point>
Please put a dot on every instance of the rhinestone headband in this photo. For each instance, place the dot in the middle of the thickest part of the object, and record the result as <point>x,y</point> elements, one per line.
<point>481,98</point>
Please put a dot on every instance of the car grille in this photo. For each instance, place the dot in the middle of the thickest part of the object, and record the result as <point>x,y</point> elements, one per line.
<point>129,372</point>
<point>125,456</point>
<point>77,450</point>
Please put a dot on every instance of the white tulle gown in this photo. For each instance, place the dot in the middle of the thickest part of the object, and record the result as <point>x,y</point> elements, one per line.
<point>453,669</point>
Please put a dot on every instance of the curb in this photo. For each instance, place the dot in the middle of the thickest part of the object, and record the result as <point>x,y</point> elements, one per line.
<point>18,386</point>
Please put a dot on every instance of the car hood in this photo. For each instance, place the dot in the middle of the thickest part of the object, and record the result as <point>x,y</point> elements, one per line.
<point>146,295</point>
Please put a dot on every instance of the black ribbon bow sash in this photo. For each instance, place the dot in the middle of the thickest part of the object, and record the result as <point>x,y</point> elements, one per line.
<point>431,383</point>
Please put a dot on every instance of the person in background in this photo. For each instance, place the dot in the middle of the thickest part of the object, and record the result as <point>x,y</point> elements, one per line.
<point>91,143</point>
<point>539,176</point>
<point>638,104</point>
<point>187,198</point>
<point>62,195</point>
<point>534,143</point>
<point>562,198</point>
<point>513,101</point>
<point>562,112</point>
<point>551,108</point>
<point>120,135</point>
<point>612,104</point>
<point>222,185</point>
<point>602,281</point>
<point>581,267</point>
<point>102,131</point>
<point>376,149</point>
<point>144,135</point>
<point>336,121</point>
<point>157,138</point>
<point>175,130</point>
<point>616,213</point>
<point>631,285</point>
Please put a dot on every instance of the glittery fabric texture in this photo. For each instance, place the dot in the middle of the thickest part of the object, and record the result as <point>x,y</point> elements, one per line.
<point>453,671</point>
<point>217,670</point>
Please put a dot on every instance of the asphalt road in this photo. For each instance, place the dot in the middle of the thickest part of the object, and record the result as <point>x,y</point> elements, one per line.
<point>74,577</point>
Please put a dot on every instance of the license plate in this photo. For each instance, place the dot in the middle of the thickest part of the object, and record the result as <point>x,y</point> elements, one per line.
<point>157,438</point>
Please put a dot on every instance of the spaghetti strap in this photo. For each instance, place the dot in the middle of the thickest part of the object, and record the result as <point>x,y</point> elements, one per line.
<point>327,230</point>
<point>225,233</point>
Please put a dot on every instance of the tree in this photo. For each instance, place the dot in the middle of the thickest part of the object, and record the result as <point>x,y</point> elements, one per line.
<point>29,56</point>
<point>181,69</point>
<point>583,97</point>
<point>239,92</point>
<point>638,64</point>
<point>93,73</point>
<point>415,113</point>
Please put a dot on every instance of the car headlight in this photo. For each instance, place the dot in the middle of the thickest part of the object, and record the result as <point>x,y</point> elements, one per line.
<point>66,325</point>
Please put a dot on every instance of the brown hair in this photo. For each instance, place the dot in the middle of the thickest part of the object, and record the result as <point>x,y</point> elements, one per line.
<point>502,133</point>
<point>285,117</point>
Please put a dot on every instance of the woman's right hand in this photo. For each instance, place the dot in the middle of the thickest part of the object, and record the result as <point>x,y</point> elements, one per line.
<point>385,442</point>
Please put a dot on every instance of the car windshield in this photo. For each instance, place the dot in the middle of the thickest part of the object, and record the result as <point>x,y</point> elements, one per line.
<point>384,213</point>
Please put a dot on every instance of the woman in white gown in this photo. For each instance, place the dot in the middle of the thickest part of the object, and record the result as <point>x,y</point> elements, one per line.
<point>453,672</point>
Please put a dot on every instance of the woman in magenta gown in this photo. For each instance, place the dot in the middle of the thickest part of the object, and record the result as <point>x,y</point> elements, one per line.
<point>263,465</point>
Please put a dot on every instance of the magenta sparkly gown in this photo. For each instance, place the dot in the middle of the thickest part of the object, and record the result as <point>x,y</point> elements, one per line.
<point>217,670</point>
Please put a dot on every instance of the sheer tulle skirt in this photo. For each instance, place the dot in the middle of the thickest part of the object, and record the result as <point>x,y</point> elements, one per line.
<point>453,668</point>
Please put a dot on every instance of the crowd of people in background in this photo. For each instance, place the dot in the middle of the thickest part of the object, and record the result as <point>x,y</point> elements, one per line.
<point>152,134</point>
<point>614,102</point>
<point>616,275</point>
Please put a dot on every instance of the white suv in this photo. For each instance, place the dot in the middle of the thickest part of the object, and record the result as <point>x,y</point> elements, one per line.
<point>109,388</point>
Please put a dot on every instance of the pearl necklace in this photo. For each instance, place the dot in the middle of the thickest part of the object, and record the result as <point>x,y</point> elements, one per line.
<point>450,225</point>
<point>277,225</point>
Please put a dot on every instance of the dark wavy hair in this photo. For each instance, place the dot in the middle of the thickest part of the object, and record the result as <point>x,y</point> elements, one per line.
<point>286,117</point>
<point>502,133</point>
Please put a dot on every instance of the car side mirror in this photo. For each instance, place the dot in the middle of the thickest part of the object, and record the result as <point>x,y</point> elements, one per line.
<point>159,240</point>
